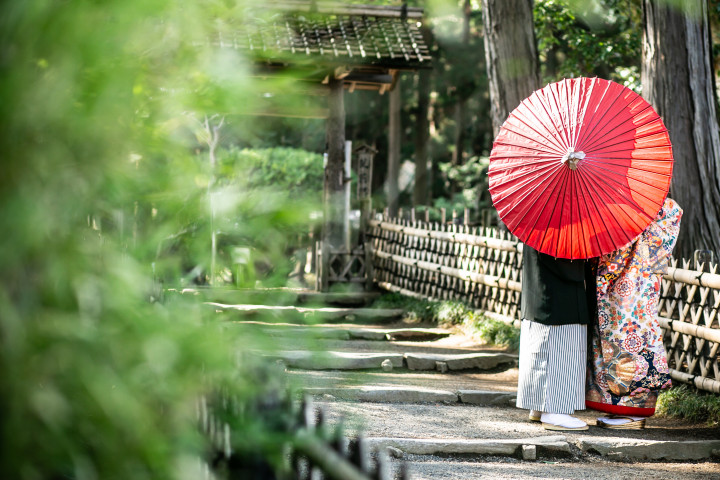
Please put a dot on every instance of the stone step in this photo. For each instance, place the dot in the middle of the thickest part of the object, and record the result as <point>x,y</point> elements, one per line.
<point>391,361</point>
<point>338,298</point>
<point>291,313</point>
<point>507,447</point>
<point>337,360</point>
<point>410,394</point>
<point>470,361</point>
<point>608,447</point>
<point>276,296</point>
<point>640,449</point>
<point>344,333</point>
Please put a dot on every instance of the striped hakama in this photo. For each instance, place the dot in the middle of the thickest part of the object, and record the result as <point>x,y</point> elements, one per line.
<point>552,367</point>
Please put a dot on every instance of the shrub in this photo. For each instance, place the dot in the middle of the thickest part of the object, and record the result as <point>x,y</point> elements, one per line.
<point>686,402</point>
<point>496,332</point>
<point>451,313</point>
<point>416,310</point>
<point>293,171</point>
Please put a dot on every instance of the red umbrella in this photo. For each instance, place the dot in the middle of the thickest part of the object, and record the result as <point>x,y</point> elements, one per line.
<point>580,168</point>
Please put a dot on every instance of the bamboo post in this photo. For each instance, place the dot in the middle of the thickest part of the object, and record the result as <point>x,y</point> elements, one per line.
<point>347,181</point>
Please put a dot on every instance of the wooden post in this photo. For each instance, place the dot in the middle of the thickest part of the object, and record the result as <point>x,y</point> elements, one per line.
<point>334,186</point>
<point>394,138</point>
<point>365,155</point>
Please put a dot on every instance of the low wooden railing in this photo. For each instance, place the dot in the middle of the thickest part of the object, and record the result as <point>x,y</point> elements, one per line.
<point>482,267</point>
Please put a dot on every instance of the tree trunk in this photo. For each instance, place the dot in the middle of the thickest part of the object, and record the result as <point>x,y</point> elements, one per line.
<point>394,139</point>
<point>677,79</point>
<point>422,135</point>
<point>460,109</point>
<point>510,54</point>
<point>334,188</point>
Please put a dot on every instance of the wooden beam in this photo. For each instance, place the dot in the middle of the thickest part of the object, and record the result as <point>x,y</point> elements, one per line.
<point>342,72</point>
<point>334,8</point>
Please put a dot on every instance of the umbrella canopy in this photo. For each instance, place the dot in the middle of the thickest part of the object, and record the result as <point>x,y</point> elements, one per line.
<point>580,168</point>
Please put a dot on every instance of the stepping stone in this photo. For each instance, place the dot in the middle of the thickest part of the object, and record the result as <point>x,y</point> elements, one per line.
<point>481,361</point>
<point>649,449</point>
<point>435,446</point>
<point>336,360</point>
<point>395,394</point>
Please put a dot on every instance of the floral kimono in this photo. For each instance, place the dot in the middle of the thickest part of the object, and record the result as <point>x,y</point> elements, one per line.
<point>628,366</point>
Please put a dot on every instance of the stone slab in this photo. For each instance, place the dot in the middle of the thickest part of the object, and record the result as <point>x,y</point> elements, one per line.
<point>434,446</point>
<point>336,360</point>
<point>324,312</point>
<point>367,334</point>
<point>349,298</point>
<point>649,449</point>
<point>387,395</point>
<point>480,361</point>
<point>416,334</point>
<point>295,331</point>
<point>487,397</point>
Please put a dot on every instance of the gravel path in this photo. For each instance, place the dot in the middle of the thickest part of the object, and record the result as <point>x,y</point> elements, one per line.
<point>458,421</point>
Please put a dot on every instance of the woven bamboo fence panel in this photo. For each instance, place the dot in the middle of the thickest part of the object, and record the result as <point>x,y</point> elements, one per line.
<point>482,267</point>
<point>447,262</point>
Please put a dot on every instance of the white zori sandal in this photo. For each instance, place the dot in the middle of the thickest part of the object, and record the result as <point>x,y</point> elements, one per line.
<point>621,422</point>
<point>562,422</point>
<point>534,415</point>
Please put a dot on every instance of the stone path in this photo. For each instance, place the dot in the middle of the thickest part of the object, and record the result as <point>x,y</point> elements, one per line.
<point>444,404</point>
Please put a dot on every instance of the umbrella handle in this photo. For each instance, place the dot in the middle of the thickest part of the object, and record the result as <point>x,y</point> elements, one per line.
<point>572,158</point>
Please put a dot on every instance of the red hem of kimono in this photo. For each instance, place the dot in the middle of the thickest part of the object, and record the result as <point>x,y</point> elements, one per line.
<point>620,409</point>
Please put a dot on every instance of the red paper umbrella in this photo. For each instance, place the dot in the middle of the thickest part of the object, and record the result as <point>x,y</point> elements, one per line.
<point>580,168</point>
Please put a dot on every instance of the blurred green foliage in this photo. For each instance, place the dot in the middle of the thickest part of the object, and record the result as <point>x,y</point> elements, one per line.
<point>295,172</point>
<point>102,174</point>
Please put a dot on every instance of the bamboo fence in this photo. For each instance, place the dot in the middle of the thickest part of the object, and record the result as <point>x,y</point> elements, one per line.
<point>481,267</point>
